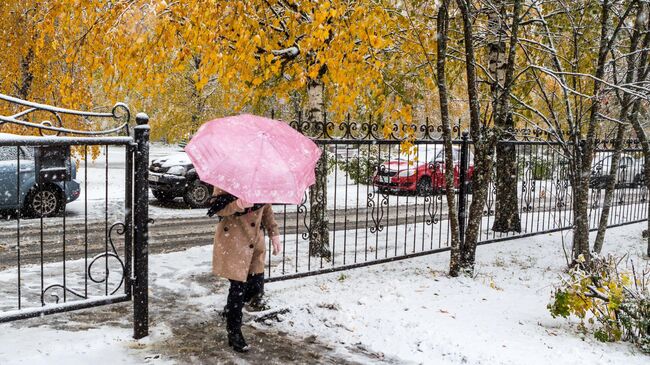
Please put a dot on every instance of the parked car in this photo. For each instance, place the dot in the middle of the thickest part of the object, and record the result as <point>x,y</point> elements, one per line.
<point>630,171</point>
<point>174,176</point>
<point>44,200</point>
<point>420,173</point>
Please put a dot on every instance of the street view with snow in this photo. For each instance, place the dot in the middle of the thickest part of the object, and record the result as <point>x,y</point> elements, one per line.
<point>454,182</point>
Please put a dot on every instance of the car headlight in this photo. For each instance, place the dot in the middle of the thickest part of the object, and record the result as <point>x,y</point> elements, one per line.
<point>177,170</point>
<point>406,173</point>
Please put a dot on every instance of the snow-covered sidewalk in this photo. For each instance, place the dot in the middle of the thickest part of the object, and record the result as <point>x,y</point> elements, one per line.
<point>402,312</point>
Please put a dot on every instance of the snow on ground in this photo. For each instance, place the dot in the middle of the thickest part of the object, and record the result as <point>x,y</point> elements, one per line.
<point>412,311</point>
<point>103,345</point>
<point>404,312</point>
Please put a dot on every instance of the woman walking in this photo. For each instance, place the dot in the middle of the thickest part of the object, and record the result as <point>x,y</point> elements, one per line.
<point>250,159</point>
<point>238,256</point>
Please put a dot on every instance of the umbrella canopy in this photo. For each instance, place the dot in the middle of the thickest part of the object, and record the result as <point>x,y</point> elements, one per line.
<point>257,159</point>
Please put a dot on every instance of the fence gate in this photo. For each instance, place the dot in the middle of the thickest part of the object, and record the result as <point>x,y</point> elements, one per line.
<point>74,208</point>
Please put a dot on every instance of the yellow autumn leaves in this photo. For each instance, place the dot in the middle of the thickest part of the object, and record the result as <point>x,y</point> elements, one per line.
<point>188,61</point>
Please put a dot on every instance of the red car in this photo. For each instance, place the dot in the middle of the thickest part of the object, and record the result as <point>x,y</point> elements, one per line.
<point>420,173</point>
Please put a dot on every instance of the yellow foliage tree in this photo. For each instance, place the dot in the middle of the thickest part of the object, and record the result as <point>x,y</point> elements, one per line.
<point>51,52</point>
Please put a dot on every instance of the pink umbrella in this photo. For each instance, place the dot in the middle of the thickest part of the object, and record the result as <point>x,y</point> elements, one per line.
<point>257,159</point>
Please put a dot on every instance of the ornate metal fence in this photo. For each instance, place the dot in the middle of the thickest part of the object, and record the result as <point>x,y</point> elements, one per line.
<point>385,203</point>
<point>65,243</point>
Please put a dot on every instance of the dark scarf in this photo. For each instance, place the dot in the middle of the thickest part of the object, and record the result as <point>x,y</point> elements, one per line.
<point>221,201</point>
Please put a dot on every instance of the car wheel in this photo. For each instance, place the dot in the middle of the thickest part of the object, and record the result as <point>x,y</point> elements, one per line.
<point>197,195</point>
<point>424,186</point>
<point>44,201</point>
<point>162,197</point>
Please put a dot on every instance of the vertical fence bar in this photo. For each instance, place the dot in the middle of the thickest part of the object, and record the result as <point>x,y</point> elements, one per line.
<point>86,220</point>
<point>462,195</point>
<point>18,205</point>
<point>141,229</point>
<point>65,284</point>
<point>106,217</point>
<point>128,220</point>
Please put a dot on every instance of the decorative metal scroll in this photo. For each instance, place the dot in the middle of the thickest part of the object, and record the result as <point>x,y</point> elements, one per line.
<point>118,228</point>
<point>377,202</point>
<point>302,210</point>
<point>490,200</point>
<point>609,144</point>
<point>433,203</point>
<point>368,130</point>
<point>120,113</point>
<point>528,188</point>
<point>424,130</point>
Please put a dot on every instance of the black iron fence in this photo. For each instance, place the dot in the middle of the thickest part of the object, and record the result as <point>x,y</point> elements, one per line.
<point>66,242</point>
<point>385,203</point>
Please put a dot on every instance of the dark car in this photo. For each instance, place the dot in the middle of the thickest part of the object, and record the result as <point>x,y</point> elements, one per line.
<point>630,171</point>
<point>174,176</point>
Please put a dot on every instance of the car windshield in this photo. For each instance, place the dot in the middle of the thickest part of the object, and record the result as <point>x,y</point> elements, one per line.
<point>9,153</point>
<point>431,153</point>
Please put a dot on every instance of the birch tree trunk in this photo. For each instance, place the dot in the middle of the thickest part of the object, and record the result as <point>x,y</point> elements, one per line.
<point>643,70</point>
<point>645,146</point>
<point>484,141</point>
<point>631,72</point>
<point>318,218</point>
<point>482,151</point>
<point>611,185</point>
<point>581,219</point>
<point>585,150</point>
<point>442,27</point>
<point>644,141</point>
<point>27,77</point>
<point>507,217</point>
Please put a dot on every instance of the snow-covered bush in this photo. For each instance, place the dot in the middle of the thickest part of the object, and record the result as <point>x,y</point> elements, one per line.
<point>362,167</point>
<point>539,168</point>
<point>611,298</point>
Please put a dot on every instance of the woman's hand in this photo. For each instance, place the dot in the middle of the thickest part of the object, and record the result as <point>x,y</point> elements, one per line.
<point>243,204</point>
<point>277,248</point>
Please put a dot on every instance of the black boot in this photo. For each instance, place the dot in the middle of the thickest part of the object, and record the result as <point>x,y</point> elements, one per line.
<point>255,293</point>
<point>237,342</point>
<point>233,312</point>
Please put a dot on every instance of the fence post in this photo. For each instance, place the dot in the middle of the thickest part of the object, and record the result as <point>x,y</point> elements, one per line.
<point>141,229</point>
<point>462,193</point>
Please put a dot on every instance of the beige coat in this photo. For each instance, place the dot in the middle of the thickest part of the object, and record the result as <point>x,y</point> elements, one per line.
<point>239,244</point>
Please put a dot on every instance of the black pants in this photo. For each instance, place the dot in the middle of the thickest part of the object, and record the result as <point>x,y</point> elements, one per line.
<point>241,292</point>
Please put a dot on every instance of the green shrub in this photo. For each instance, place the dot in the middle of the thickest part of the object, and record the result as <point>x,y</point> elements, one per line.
<point>610,300</point>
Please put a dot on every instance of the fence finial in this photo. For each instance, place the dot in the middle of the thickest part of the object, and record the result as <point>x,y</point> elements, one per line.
<point>141,119</point>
